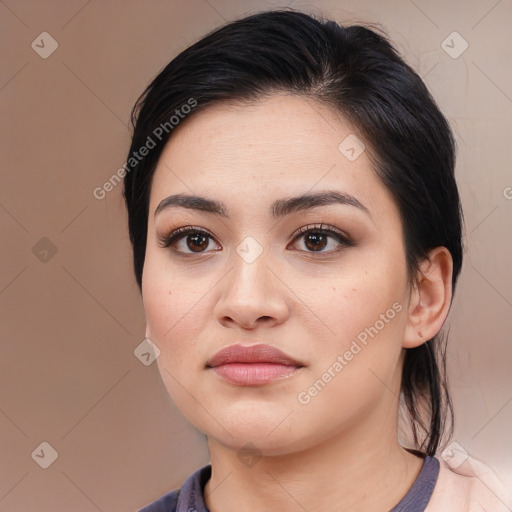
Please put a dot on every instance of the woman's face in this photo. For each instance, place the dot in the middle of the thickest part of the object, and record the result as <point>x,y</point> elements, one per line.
<point>338,306</point>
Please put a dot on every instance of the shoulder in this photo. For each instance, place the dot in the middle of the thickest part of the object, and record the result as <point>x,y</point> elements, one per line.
<point>166,503</point>
<point>468,485</point>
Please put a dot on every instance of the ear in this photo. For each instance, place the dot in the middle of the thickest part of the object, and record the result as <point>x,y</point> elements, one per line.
<point>430,298</point>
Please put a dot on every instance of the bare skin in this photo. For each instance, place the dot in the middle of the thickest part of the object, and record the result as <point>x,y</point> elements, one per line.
<point>338,451</point>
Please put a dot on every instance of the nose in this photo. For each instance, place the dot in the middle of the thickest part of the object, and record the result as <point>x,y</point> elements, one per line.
<point>252,295</point>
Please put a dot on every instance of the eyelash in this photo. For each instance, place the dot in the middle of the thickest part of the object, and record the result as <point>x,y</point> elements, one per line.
<point>166,240</point>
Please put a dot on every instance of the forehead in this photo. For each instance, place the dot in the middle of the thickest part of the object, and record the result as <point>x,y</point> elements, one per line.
<point>279,126</point>
<point>282,145</point>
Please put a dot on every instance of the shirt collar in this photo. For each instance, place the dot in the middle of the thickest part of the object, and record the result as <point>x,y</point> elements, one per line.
<point>191,499</point>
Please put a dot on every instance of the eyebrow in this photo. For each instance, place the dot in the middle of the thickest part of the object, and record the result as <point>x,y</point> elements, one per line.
<point>279,208</point>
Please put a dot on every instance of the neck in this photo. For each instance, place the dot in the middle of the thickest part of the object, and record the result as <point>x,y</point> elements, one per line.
<point>360,471</point>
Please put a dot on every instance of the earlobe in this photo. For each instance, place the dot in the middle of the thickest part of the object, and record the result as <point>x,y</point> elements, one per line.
<point>430,299</point>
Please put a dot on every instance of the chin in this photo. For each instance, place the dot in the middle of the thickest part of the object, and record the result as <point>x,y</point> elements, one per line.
<point>259,444</point>
<point>269,434</point>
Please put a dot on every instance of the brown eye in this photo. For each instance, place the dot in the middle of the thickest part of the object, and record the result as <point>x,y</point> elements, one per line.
<point>316,239</point>
<point>192,240</point>
<point>197,242</point>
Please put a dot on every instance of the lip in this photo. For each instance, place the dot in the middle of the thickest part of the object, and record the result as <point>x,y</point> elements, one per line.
<point>253,365</point>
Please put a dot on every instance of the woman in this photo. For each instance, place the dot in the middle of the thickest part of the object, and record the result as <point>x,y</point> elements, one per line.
<point>296,229</point>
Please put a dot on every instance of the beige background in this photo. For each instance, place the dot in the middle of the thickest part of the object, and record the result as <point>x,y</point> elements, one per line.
<point>71,320</point>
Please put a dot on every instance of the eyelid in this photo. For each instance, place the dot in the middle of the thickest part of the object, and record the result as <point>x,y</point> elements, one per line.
<point>347,239</point>
<point>343,238</point>
<point>167,239</point>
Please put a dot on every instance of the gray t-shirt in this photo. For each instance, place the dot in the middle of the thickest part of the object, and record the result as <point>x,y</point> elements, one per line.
<point>190,497</point>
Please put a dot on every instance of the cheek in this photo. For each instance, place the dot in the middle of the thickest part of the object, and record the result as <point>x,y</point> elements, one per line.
<point>174,312</point>
<point>353,300</point>
<point>362,314</point>
<point>175,315</point>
